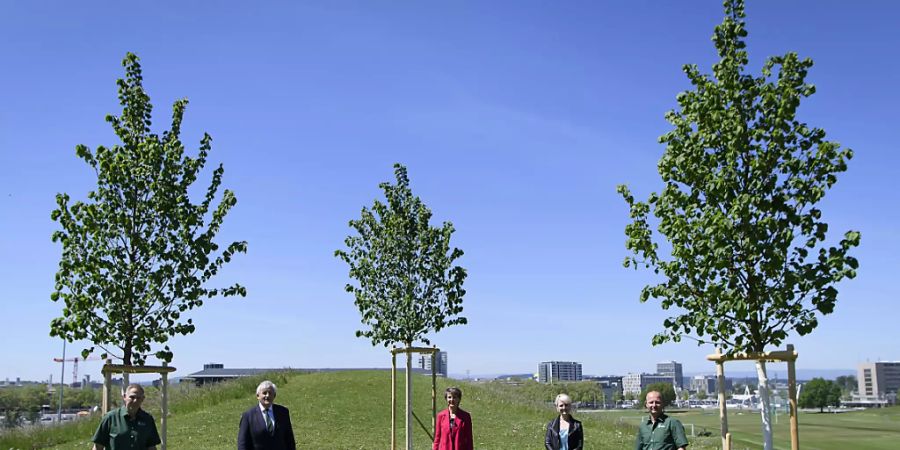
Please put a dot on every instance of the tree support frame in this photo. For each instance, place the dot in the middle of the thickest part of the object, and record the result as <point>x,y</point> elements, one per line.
<point>789,356</point>
<point>109,369</point>
<point>409,352</point>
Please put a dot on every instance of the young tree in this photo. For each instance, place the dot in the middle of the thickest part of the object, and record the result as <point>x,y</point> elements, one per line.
<point>819,393</point>
<point>742,179</point>
<point>139,253</point>
<point>407,284</point>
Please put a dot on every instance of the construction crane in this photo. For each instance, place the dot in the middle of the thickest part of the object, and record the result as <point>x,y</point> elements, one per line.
<point>74,362</point>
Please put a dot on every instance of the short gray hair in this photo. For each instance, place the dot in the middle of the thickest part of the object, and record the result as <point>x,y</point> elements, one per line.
<point>134,386</point>
<point>265,385</point>
<point>564,398</point>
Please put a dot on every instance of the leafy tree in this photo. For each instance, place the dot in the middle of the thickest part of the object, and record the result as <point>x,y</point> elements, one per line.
<point>742,179</point>
<point>702,395</point>
<point>819,393</point>
<point>139,253</point>
<point>13,418</point>
<point>667,390</point>
<point>579,392</point>
<point>847,383</point>
<point>407,283</point>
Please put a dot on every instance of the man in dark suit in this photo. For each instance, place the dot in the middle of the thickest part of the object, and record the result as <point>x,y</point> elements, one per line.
<point>266,426</point>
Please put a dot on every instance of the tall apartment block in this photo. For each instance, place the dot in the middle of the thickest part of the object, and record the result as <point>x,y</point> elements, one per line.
<point>440,361</point>
<point>556,371</point>
<point>672,369</point>
<point>878,378</point>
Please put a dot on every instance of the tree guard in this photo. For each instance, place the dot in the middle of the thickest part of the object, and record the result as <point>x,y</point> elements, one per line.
<point>789,356</point>
<point>409,351</point>
<point>109,368</point>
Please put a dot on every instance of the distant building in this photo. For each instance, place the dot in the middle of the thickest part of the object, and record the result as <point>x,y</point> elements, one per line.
<point>878,378</point>
<point>440,359</point>
<point>611,385</point>
<point>708,384</point>
<point>635,383</point>
<point>215,373</point>
<point>672,369</point>
<point>556,371</point>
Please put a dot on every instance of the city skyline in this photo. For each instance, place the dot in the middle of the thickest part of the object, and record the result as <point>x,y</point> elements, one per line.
<point>516,120</point>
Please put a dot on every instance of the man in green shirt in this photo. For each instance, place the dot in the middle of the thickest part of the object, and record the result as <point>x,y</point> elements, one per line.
<point>659,431</point>
<point>129,426</point>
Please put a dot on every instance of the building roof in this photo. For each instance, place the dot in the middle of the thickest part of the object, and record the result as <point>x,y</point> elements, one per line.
<point>236,373</point>
<point>230,373</point>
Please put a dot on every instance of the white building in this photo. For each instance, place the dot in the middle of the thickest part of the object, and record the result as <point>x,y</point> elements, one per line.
<point>637,382</point>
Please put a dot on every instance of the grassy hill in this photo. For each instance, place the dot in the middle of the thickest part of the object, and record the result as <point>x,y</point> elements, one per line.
<point>351,410</point>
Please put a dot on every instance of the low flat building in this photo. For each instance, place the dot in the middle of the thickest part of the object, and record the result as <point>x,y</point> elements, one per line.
<point>215,373</point>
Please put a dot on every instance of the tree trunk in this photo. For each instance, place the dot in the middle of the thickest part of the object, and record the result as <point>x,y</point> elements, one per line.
<point>409,445</point>
<point>764,404</point>
<point>126,361</point>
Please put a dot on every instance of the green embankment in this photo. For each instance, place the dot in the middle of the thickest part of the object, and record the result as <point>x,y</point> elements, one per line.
<point>351,410</point>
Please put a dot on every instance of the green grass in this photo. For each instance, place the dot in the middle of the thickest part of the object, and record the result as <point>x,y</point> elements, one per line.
<point>351,410</point>
<point>876,429</point>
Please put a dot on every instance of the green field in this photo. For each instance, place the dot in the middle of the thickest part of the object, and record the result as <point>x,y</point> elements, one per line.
<point>877,429</point>
<point>351,410</point>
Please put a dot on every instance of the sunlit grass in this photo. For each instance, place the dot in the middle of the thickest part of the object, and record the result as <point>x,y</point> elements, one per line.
<point>351,410</point>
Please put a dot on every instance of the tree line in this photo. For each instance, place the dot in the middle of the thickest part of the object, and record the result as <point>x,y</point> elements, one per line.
<point>19,404</point>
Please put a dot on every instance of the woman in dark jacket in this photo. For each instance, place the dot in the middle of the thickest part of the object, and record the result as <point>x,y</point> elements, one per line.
<point>564,432</point>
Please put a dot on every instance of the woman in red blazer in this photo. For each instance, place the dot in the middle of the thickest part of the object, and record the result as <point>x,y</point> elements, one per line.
<point>453,426</point>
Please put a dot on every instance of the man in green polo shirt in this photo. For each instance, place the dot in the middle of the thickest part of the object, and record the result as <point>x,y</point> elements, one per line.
<point>659,431</point>
<point>129,426</point>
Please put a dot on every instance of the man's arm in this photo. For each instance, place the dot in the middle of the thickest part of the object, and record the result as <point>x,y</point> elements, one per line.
<point>101,436</point>
<point>244,441</point>
<point>678,435</point>
<point>289,431</point>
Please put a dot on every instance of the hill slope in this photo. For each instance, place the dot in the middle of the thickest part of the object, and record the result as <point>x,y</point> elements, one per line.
<point>351,410</point>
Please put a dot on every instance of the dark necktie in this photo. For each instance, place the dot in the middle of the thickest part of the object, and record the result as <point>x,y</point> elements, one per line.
<point>270,425</point>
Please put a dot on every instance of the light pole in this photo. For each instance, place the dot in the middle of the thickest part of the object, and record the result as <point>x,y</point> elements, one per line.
<point>61,384</point>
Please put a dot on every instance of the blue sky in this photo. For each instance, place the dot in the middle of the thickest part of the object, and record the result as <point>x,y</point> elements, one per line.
<point>516,121</point>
